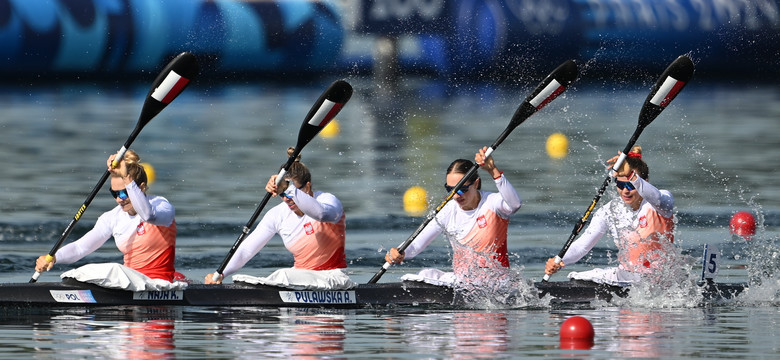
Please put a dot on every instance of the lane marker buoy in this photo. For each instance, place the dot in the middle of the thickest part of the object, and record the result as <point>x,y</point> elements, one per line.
<point>150,175</point>
<point>576,333</point>
<point>743,224</point>
<point>415,201</point>
<point>331,130</point>
<point>557,146</point>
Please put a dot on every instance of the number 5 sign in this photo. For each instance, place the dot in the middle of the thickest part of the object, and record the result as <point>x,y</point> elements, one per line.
<point>710,260</point>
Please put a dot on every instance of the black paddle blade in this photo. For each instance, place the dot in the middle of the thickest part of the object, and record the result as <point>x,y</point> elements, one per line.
<point>671,82</point>
<point>323,111</point>
<point>168,85</point>
<point>553,85</point>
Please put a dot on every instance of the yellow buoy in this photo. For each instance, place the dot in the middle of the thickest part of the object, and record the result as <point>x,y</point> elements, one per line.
<point>415,201</point>
<point>557,146</point>
<point>149,172</point>
<point>331,130</point>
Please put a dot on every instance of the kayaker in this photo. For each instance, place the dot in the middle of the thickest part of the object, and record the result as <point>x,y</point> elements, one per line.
<point>475,223</point>
<point>310,223</point>
<point>641,222</point>
<point>143,226</point>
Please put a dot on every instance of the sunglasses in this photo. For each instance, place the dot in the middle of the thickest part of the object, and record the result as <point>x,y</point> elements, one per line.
<point>284,195</point>
<point>624,185</point>
<point>461,191</point>
<point>122,194</point>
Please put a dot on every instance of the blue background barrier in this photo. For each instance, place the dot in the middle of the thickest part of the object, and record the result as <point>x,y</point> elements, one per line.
<point>114,37</point>
<point>501,37</point>
<point>457,38</point>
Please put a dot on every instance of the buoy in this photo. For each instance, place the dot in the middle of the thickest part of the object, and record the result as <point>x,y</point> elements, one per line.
<point>743,224</point>
<point>415,201</point>
<point>576,333</point>
<point>331,130</point>
<point>557,146</point>
<point>150,176</point>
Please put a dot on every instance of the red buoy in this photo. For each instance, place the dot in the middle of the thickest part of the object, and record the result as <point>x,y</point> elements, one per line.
<point>743,224</point>
<point>576,333</point>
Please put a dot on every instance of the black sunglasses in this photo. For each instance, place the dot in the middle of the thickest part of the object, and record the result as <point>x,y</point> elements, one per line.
<point>624,185</point>
<point>122,194</point>
<point>463,189</point>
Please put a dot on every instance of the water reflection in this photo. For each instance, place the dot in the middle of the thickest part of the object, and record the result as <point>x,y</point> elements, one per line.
<point>134,333</point>
<point>252,333</point>
<point>312,334</point>
<point>456,335</point>
<point>637,334</point>
<point>147,340</point>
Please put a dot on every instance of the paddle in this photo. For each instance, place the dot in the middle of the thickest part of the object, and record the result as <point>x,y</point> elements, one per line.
<point>324,110</point>
<point>549,89</point>
<point>665,90</point>
<point>167,86</point>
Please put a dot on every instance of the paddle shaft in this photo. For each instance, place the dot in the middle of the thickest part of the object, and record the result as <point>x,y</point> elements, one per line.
<point>217,276</point>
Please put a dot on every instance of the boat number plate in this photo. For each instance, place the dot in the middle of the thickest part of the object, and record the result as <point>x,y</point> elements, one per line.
<point>72,296</point>
<point>173,295</point>
<point>318,297</point>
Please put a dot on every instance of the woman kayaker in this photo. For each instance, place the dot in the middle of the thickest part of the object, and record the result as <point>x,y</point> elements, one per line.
<point>475,223</point>
<point>641,222</point>
<point>143,226</point>
<point>310,223</point>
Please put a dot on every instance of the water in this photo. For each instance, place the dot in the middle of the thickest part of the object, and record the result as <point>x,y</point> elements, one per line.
<point>719,332</point>
<point>214,147</point>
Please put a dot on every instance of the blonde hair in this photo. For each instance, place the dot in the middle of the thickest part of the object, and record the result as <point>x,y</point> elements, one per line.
<point>298,172</point>
<point>135,170</point>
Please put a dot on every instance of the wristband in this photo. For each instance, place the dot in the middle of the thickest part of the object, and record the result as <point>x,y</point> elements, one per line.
<point>499,175</point>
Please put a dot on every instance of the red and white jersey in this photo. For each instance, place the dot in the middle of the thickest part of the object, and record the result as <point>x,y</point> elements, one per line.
<point>641,236</point>
<point>152,250</point>
<point>147,239</point>
<point>316,239</point>
<point>479,236</point>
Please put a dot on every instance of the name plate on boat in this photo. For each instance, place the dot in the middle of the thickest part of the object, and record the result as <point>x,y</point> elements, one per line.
<point>174,295</point>
<point>72,296</point>
<point>318,297</point>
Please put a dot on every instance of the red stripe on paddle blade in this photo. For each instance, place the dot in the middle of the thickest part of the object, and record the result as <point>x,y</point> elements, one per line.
<point>327,111</point>
<point>548,94</point>
<point>170,88</point>
<point>667,92</point>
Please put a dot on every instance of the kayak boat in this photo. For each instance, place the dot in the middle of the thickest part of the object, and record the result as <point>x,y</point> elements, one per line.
<point>72,293</point>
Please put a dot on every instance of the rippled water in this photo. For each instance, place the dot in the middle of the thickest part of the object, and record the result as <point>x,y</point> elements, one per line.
<point>140,333</point>
<point>213,148</point>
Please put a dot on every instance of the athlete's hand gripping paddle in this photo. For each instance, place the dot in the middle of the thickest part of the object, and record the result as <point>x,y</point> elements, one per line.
<point>671,82</point>
<point>167,86</point>
<point>322,112</point>
<point>549,89</point>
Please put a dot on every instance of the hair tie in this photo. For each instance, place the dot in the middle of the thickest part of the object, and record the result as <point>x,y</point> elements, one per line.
<point>634,155</point>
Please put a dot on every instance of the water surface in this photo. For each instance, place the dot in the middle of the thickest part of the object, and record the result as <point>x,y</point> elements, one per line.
<point>216,145</point>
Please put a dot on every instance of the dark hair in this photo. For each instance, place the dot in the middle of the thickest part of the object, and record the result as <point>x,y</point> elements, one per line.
<point>462,166</point>
<point>298,172</point>
<point>637,164</point>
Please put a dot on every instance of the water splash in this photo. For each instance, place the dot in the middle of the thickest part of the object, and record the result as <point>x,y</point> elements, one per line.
<point>498,289</point>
